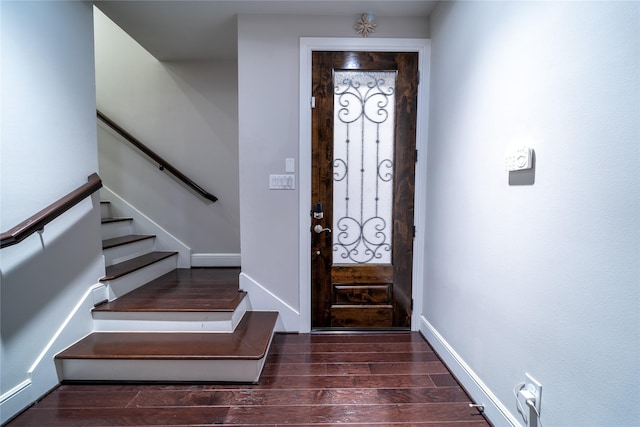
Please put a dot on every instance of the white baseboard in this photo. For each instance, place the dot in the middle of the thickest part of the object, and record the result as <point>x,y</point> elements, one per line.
<point>215,260</point>
<point>262,299</point>
<point>15,400</point>
<point>43,374</point>
<point>494,410</point>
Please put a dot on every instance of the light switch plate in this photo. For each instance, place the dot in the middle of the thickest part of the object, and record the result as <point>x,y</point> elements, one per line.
<point>282,182</point>
<point>290,165</point>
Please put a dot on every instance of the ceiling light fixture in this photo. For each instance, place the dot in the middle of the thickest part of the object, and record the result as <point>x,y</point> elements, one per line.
<point>365,25</point>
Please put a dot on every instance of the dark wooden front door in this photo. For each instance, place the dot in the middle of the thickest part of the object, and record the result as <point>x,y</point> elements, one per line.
<point>363,171</point>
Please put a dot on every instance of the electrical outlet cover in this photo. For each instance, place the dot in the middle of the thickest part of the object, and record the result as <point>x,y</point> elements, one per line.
<point>535,387</point>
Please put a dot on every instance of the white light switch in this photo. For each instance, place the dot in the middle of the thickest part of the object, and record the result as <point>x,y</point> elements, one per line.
<point>290,165</point>
<point>282,182</point>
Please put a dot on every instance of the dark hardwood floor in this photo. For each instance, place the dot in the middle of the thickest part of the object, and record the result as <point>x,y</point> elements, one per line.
<point>309,379</point>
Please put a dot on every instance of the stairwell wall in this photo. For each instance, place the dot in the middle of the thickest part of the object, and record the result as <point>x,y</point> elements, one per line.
<point>186,111</point>
<point>48,148</point>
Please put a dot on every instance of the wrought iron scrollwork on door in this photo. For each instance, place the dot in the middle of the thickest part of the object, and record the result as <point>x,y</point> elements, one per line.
<point>363,166</point>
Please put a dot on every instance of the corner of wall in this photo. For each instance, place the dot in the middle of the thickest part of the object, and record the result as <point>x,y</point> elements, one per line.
<point>481,394</point>
<point>262,299</point>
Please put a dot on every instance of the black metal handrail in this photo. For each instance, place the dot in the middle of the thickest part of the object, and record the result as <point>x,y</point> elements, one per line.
<point>37,222</point>
<point>162,163</point>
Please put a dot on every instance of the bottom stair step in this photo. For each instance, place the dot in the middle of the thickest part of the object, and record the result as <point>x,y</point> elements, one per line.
<point>236,356</point>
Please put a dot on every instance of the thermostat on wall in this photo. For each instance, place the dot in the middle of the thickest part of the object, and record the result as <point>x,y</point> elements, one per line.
<point>519,158</point>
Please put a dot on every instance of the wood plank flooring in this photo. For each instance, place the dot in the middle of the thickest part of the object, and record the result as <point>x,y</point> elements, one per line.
<point>392,379</point>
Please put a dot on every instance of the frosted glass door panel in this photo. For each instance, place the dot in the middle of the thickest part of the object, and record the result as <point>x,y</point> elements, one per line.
<point>364,104</point>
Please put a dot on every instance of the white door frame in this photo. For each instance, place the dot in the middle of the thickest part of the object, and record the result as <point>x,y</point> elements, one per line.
<point>307,46</point>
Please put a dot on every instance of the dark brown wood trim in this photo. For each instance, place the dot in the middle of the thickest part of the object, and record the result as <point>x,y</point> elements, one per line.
<point>162,163</point>
<point>51,212</point>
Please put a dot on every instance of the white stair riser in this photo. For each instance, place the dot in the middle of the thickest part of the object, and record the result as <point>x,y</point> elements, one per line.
<point>105,210</point>
<point>227,370</point>
<point>125,284</point>
<point>159,321</point>
<point>116,229</point>
<point>169,370</point>
<point>125,252</point>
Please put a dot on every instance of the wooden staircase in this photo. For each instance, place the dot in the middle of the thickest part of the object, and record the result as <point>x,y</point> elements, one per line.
<point>166,324</point>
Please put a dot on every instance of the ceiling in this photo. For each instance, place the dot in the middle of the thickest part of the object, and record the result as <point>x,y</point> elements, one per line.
<point>207,29</point>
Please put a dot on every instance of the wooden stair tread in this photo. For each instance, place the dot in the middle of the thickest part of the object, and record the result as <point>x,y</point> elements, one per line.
<point>123,240</point>
<point>210,302</point>
<point>183,289</point>
<point>115,219</point>
<point>126,267</point>
<point>249,341</point>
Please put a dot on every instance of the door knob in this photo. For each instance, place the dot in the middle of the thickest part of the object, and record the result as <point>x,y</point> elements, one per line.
<point>319,229</point>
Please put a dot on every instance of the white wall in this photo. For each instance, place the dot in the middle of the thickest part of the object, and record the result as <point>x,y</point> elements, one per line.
<point>48,148</point>
<point>268,75</point>
<point>187,113</point>
<point>540,278</point>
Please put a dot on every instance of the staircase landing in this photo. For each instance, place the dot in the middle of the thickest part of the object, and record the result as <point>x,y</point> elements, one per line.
<point>196,289</point>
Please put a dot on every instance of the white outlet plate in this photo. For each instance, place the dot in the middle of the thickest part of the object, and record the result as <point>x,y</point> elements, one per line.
<point>535,387</point>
